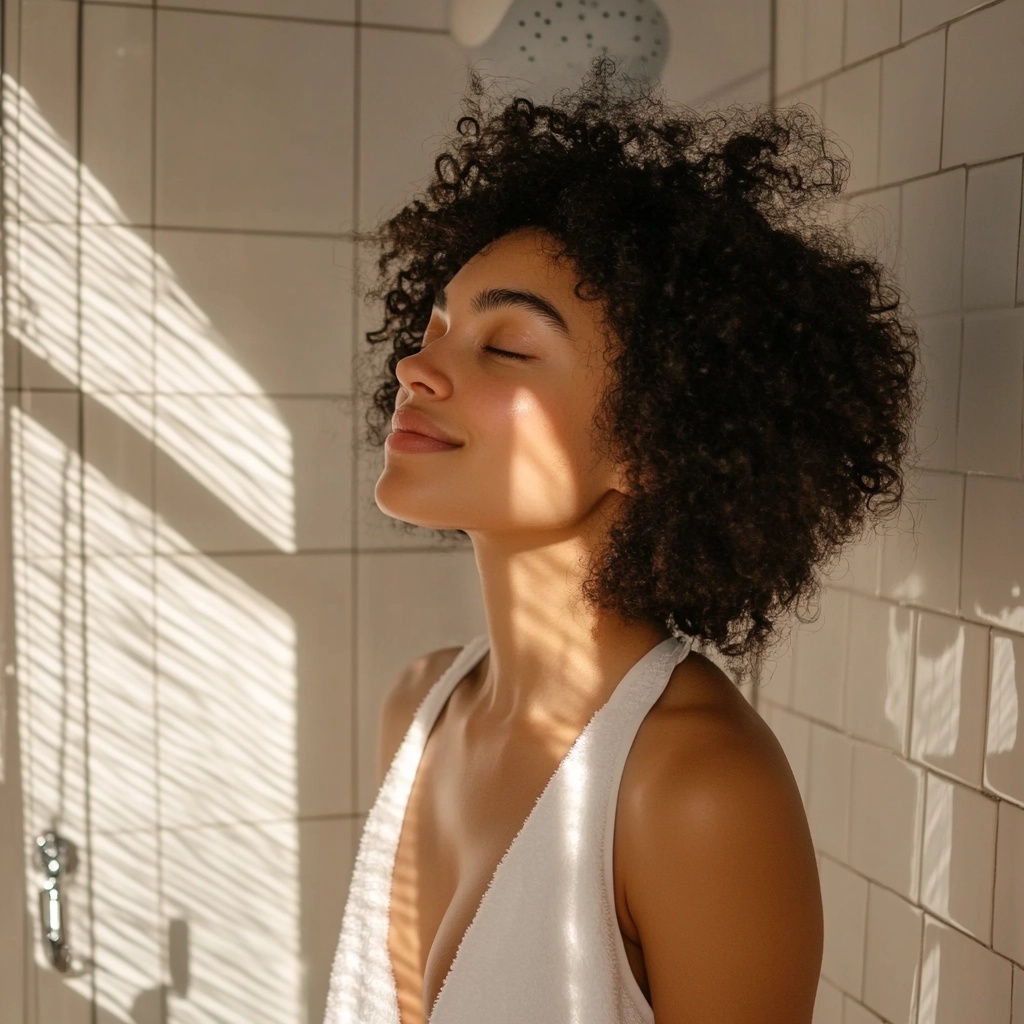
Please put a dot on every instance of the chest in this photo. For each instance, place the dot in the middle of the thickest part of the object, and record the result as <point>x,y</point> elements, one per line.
<point>465,808</point>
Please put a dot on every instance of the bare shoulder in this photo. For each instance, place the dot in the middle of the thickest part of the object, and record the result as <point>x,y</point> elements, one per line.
<point>402,699</point>
<point>720,873</point>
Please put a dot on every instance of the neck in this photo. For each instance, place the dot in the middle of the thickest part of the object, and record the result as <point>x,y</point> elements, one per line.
<point>553,658</point>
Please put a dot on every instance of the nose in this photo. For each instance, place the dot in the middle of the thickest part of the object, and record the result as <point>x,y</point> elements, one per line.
<point>419,371</point>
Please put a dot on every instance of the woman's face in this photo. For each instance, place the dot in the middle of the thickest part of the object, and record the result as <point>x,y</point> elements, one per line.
<point>525,461</point>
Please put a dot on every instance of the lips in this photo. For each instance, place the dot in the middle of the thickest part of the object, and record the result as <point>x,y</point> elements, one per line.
<point>417,423</point>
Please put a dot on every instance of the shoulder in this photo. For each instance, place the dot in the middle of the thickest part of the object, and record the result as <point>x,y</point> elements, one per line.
<point>720,875</point>
<point>404,696</point>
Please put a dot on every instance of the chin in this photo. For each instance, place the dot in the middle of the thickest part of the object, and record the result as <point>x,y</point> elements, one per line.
<point>406,513</point>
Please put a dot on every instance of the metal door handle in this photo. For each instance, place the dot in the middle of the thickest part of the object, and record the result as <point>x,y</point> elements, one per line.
<point>59,859</point>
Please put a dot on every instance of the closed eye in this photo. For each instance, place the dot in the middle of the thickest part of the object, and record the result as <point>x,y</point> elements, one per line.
<point>504,353</point>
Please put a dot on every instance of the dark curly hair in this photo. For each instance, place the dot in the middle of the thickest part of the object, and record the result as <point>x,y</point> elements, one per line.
<point>763,394</point>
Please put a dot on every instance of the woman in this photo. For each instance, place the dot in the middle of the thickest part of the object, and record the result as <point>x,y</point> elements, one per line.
<point>655,408</point>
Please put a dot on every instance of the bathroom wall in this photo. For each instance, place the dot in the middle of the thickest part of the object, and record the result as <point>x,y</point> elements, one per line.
<point>205,606</point>
<point>185,599</point>
<point>900,707</point>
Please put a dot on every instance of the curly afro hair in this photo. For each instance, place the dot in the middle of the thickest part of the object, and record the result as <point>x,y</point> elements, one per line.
<point>763,396</point>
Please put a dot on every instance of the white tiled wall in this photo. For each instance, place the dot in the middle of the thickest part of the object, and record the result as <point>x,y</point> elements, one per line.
<point>178,368</point>
<point>196,528</point>
<point>900,707</point>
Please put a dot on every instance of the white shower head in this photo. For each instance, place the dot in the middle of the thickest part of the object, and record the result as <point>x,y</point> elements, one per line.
<point>549,44</point>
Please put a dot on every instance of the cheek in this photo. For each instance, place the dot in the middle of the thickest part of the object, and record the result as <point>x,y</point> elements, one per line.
<point>540,450</point>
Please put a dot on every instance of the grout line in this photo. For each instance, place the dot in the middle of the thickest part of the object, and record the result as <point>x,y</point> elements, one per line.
<point>290,18</point>
<point>353,447</point>
<point>79,511</point>
<point>162,909</point>
<point>842,38</point>
<point>995,870</point>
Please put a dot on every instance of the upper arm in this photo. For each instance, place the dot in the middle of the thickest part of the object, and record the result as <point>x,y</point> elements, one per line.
<point>402,699</point>
<point>723,886</point>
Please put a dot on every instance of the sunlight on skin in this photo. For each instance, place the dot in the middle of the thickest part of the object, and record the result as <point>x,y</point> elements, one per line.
<point>535,497</point>
<point>527,485</point>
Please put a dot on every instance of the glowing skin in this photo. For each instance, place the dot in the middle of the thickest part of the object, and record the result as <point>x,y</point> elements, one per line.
<point>527,484</point>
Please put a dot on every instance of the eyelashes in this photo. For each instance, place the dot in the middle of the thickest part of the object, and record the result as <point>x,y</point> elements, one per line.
<point>505,354</point>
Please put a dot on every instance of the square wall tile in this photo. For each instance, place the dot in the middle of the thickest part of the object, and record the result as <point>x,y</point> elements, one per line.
<point>984,104</point>
<point>851,111</point>
<point>253,473</point>
<point>879,671</point>
<point>823,37</point>
<point>1004,744</point>
<point>117,486</point>
<point>46,520</point>
<point>265,314</point>
<point>777,672</point>
<point>892,960</point>
<point>404,587</point>
<point>1008,920</point>
<point>991,393</point>
<point>935,429</point>
<point>886,801</point>
<point>871,27</point>
<point>120,626</point>
<point>411,86</point>
<point>828,803</point>
<point>819,659</point>
<point>320,10</point>
<point>864,558</point>
<point>269,105</point>
<point>993,552</point>
<point>921,555</point>
<point>328,859</point>
<point>828,1003</point>
<point>117,115</point>
<point>254,658</point>
<point>931,239</point>
<point>911,131</point>
<point>950,696</point>
<point>958,859</point>
<point>43,270</point>
<point>961,980</point>
<point>794,735</point>
<point>790,33</point>
<point>42,151</point>
<point>125,899</point>
<point>844,897</point>
<point>236,957</point>
<point>117,309</point>
<point>715,51</point>
<point>992,233</point>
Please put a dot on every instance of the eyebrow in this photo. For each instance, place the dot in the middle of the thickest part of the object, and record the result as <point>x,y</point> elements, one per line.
<point>496,298</point>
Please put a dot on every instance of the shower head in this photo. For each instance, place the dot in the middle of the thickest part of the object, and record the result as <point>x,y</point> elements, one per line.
<point>549,44</point>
